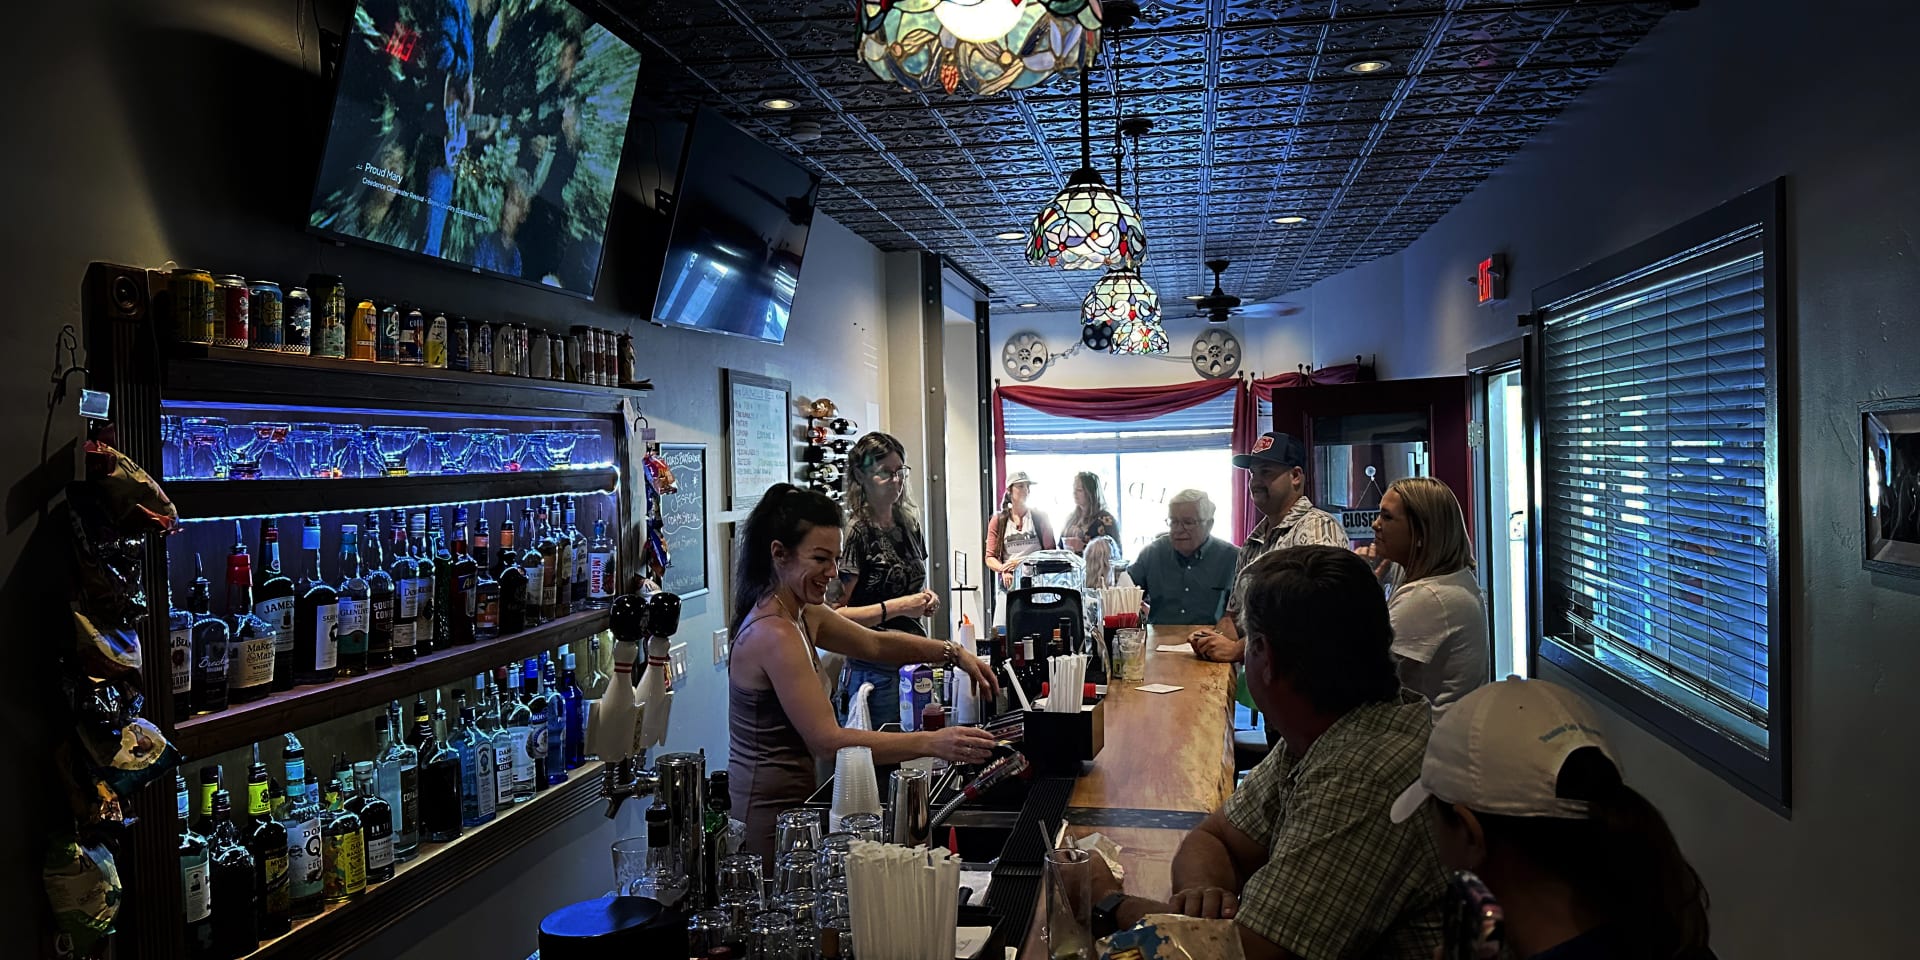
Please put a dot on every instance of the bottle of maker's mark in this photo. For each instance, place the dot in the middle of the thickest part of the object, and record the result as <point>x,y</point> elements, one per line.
<point>273,604</point>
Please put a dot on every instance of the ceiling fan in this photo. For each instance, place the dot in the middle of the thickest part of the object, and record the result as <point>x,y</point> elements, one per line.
<point>1220,305</point>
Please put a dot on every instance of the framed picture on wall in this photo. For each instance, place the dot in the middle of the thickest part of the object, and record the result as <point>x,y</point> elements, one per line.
<point>759,445</point>
<point>1890,485</point>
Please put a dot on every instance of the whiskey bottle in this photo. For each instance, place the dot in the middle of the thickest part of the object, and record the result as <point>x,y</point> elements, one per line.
<point>494,728</point>
<point>376,823</point>
<point>402,572</point>
<point>426,583</point>
<point>210,638</point>
<point>380,609</point>
<point>316,616</point>
<point>306,861</point>
<point>273,603</point>
<point>236,922</point>
<point>353,605</point>
<point>552,583</point>
<point>180,643</point>
<point>486,604</point>
<point>443,612</point>
<point>603,573</point>
<point>536,570</point>
<point>479,793</point>
<point>196,899</point>
<point>577,550</point>
<point>396,776</point>
<point>519,723</point>
<point>346,848</point>
<point>267,841</point>
<point>512,582</point>
<point>539,732</point>
<point>203,807</point>
<point>251,643</point>
<point>462,588</point>
<point>439,789</point>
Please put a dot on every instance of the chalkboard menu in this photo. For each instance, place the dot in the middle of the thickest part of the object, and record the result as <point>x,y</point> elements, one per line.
<point>758,446</point>
<point>683,516</point>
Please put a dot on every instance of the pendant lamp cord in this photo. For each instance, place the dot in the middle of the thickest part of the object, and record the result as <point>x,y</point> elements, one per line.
<point>1086,118</point>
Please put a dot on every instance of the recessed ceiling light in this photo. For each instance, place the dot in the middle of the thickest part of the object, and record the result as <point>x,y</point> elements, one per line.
<point>1290,218</point>
<point>1196,296</point>
<point>1028,304</point>
<point>1010,235</point>
<point>782,103</point>
<point>1368,66</point>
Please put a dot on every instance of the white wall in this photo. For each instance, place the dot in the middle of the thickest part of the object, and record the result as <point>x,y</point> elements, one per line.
<point>966,528</point>
<point>1715,102</point>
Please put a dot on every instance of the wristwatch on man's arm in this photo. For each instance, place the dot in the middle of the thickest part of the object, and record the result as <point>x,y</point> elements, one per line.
<point>1106,919</point>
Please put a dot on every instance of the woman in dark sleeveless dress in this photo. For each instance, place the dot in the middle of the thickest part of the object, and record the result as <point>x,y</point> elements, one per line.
<point>779,717</point>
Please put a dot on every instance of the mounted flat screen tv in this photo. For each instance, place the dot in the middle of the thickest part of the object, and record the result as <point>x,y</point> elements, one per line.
<point>740,224</point>
<point>487,140</point>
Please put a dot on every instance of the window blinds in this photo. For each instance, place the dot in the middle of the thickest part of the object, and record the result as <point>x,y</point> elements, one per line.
<point>1204,426</point>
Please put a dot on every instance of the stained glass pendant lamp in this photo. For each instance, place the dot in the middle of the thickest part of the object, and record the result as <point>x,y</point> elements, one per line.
<point>1122,299</point>
<point>986,46</point>
<point>1087,226</point>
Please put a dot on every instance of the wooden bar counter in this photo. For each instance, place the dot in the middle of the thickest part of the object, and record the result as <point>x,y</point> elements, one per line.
<point>1167,762</point>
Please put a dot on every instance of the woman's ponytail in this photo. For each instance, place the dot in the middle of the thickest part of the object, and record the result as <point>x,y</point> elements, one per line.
<point>1652,894</point>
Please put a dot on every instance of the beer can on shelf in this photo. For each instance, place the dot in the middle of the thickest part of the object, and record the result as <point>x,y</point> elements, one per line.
<point>192,291</point>
<point>572,370</point>
<point>297,322</point>
<point>361,330</point>
<point>504,348</point>
<point>329,315</point>
<point>437,342</point>
<point>230,311</point>
<point>386,341</point>
<point>411,348</point>
<point>264,315</point>
<point>459,344</point>
<point>482,347</point>
<point>539,354</point>
<point>525,356</point>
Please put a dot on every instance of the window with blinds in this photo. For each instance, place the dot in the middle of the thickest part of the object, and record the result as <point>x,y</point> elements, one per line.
<point>1657,455</point>
<point>1207,425</point>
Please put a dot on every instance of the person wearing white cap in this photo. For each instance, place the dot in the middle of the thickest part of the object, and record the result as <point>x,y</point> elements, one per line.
<point>1525,793</point>
<point>1014,532</point>
<point>1303,857</point>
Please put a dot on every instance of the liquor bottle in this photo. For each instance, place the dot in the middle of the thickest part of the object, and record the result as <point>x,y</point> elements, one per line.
<point>267,841</point>
<point>251,642</point>
<point>575,710</point>
<point>236,922</point>
<point>461,588</point>
<point>316,616</point>
<point>203,807</point>
<point>479,793</point>
<point>196,899</point>
<point>376,823</point>
<point>562,561</point>
<point>180,640</point>
<point>439,789</point>
<point>422,724</point>
<point>273,603</point>
<point>306,864</point>
<point>661,877</point>
<point>603,573</point>
<point>512,580</point>
<point>396,777</point>
<point>550,585</point>
<point>426,582</point>
<point>486,590</point>
<point>539,732</point>
<point>346,848</point>
<point>519,722</point>
<point>210,639</point>
<point>592,676</point>
<point>530,561</point>
<point>718,831</point>
<point>577,550</point>
<point>402,571</point>
<point>380,608</point>
<point>353,605</point>
<point>556,721</point>
<point>493,724</point>
<point>443,612</point>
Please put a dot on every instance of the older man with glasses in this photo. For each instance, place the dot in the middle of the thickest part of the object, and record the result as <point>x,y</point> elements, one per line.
<point>1186,572</point>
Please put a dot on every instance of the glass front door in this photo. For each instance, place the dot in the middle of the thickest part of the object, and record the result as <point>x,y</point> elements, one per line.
<point>1503,540</point>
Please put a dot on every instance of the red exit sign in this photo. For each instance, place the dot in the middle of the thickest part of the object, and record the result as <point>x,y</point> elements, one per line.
<point>1490,279</point>
<point>401,41</point>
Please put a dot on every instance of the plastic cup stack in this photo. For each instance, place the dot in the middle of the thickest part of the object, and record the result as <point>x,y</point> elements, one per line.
<point>856,789</point>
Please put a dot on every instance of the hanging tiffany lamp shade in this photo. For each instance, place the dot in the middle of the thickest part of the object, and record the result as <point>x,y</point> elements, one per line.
<point>1086,226</point>
<point>985,46</point>
<point>1120,299</point>
<point>1139,337</point>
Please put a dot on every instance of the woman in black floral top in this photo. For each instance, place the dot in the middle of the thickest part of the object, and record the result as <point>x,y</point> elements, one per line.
<point>1089,519</point>
<point>883,567</point>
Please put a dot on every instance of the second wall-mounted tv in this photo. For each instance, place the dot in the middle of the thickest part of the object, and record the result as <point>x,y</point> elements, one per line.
<point>741,216</point>
<point>484,135</point>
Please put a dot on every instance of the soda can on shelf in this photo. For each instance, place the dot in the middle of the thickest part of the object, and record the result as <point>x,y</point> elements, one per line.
<point>192,291</point>
<point>361,330</point>
<point>589,355</point>
<point>539,354</point>
<point>573,357</point>
<point>386,341</point>
<point>329,315</point>
<point>437,342</point>
<point>525,356</point>
<point>503,344</point>
<point>459,344</point>
<point>482,347</point>
<point>411,347</point>
<point>230,311</point>
<point>297,322</point>
<point>264,315</point>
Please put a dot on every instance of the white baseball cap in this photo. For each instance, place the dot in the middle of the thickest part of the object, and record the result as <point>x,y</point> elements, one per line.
<point>1499,750</point>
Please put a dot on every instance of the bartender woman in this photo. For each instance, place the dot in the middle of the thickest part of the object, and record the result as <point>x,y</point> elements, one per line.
<point>779,718</point>
<point>884,566</point>
<point>1013,533</point>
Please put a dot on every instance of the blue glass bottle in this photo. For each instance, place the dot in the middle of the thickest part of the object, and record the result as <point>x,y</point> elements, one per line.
<point>575,708</point>
<point>477,788</point>
<point>556,722</point>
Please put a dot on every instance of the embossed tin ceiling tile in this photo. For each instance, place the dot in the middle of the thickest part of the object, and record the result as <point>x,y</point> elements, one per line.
<point>1168,14</point>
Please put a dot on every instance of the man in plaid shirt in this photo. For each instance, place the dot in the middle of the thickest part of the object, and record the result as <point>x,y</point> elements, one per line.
<point>1303,858</point>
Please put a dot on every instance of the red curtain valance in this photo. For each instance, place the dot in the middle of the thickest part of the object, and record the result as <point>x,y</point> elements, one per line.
<point>1105,404</point>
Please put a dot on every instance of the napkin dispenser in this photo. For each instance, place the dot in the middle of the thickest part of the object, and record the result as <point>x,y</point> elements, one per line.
<point>1062,742</point>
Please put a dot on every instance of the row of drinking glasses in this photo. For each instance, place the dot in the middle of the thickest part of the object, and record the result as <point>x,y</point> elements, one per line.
<point>807,894</point>
<point>212,448</point>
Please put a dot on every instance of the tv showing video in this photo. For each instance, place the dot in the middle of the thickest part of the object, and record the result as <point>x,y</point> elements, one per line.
<point>741,218</point>
<point>484,134</point>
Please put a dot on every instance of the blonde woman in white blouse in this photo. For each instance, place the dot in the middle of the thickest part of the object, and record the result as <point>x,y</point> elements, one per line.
<point>1439,619</point>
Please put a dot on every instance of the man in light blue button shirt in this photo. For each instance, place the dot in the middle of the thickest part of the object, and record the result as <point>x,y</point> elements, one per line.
<point>1186,572</point>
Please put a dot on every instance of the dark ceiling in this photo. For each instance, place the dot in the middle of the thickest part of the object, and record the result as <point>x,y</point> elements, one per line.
<point>1255,116</point>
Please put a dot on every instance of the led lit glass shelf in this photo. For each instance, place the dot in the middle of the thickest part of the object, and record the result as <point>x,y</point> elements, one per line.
<point>345,927</point>
<point>239,499</point>
<point>300,707</point>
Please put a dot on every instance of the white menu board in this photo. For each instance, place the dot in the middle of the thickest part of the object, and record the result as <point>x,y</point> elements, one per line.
<point>759,449</point>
